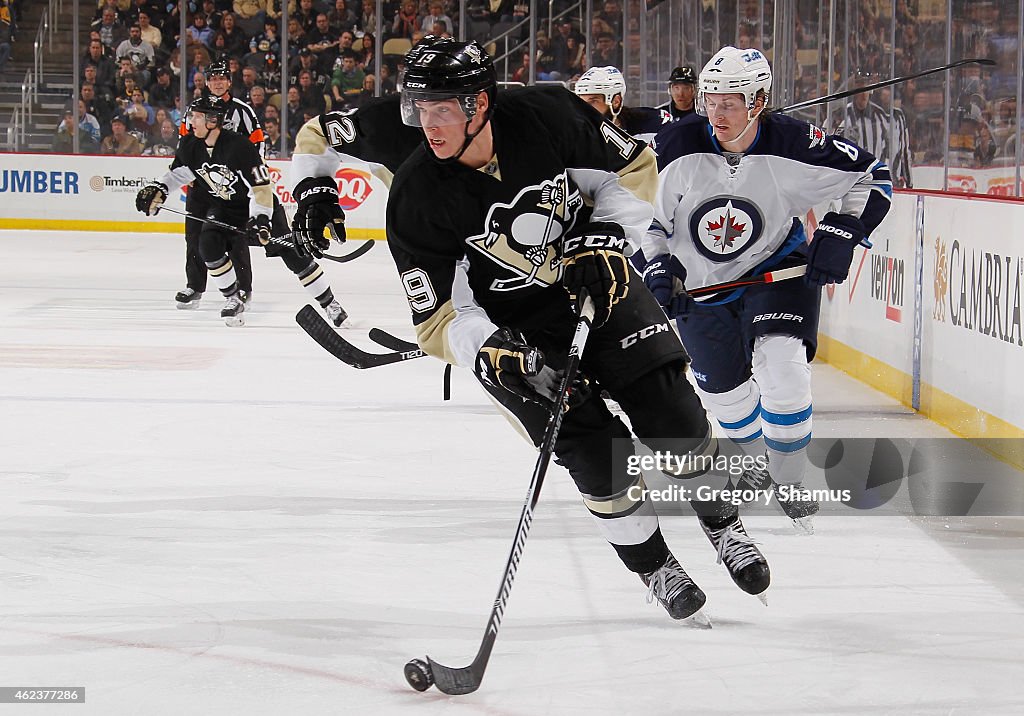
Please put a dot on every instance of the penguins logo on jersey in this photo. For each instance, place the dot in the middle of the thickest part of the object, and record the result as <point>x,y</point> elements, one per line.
<point>524,236</point>
<point>220,179</point>
<point>725,227</point>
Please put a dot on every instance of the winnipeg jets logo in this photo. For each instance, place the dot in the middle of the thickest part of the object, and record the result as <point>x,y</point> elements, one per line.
<point>219,178</point>
<point>524,236</point>
<point>724,227</point>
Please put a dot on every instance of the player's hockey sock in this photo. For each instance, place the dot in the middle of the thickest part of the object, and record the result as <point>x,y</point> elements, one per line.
<point>222,271</point>
<point>315,282</point>
<point>628,521</point>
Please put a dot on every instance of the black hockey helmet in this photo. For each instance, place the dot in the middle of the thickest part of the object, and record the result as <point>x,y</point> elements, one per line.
<point>685,74</point>
<point>210,105</point>
<point>218,68</point>
<point>439,68</point>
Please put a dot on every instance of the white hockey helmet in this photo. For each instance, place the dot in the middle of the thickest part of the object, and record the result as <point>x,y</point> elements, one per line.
<point>607,81</point>
<point>733,70</point>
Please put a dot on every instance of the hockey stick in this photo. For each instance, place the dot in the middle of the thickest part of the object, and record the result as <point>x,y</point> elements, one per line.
<point>394,343</point>
<point>323,333</point>
<point>768,277</point>
<point>467,679</point>
<point>895,81</point>
<point>284,240</point>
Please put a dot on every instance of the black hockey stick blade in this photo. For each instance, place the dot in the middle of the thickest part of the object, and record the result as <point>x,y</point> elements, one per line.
<point>323,333</point>
<point>984,61</point>
<point>467,679</point>
<point>351,255</point>
<point>394,343</point>
<point>767,277</point>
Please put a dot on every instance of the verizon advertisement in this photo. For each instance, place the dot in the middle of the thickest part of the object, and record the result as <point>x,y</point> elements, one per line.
<point>872,310</point>
<point>41,191</point>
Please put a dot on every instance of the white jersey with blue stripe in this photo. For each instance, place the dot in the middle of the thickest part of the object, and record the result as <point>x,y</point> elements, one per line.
<point>729,216</point>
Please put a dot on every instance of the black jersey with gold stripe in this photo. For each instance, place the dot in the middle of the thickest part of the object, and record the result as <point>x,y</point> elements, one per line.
<point>373,134</point>
<point>223,175</point>
<point>482,248</point>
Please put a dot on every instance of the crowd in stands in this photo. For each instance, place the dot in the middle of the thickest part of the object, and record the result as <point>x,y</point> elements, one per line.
<point>132,67</point>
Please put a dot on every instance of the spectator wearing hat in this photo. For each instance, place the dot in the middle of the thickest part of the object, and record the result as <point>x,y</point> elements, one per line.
<point>682,88</point>
<point>161,94</point>
<point>119,141</point>
<point>307,61</point>
<point>88,131</point>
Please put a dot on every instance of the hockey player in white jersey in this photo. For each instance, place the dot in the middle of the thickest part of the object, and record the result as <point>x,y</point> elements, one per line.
<point>730,190</point>
<point>604,89</point>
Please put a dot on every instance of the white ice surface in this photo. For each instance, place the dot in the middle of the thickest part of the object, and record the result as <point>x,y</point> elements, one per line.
<point>203,520</point>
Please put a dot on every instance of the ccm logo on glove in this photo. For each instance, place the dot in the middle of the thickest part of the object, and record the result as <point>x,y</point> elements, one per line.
<point>594,241</point>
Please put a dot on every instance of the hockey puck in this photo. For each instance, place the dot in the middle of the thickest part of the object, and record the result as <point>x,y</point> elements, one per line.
<point>417,673</point>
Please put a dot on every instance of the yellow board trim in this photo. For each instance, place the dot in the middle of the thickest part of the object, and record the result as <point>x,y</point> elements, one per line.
<point>989,432</point>
<point>143,227</point>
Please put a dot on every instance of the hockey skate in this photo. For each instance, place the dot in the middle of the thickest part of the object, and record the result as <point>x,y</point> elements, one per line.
<point>675,591</point>
<point>187,298</point>
<point>737,551</point>
<point>335,313</point>
<point>246,297</point>
<point>796,502</point>
<point>232,311</point>
<point>799,506</point>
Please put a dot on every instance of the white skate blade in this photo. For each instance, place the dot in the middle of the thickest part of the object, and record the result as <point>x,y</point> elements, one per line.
<point>187,306</point>
<point>234,321</point>
<point>803,526</point>
<point>698,620</point>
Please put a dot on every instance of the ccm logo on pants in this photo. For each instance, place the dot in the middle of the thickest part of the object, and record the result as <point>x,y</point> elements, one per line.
<point>643,333</point>
<point>778,317</point>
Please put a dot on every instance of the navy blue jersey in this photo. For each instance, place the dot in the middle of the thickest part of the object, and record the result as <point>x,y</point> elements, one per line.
<point>644,122</point>
<point>727,215</point>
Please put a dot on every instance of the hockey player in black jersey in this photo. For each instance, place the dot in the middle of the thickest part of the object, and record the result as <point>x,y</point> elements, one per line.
<point>227,174</point>
<point>373,134</point>
<point>511,206</point>
<point>730,188</point>
<point>239,117</point>
<point>604,89</point>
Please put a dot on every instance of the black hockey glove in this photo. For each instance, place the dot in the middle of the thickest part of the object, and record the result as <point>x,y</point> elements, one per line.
<point>831,251</point>
<point>505,362</point>
<point>258,228</point>
<point>594,259</point>
<point>664,276</point>
<point>151,197</point>
<point>318,210</point>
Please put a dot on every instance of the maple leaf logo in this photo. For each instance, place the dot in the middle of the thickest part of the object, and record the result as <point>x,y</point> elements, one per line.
<point>726,230</point>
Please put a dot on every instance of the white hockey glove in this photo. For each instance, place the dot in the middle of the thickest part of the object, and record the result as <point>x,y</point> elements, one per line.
<point>151,197</point>
<point>318,210</point>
